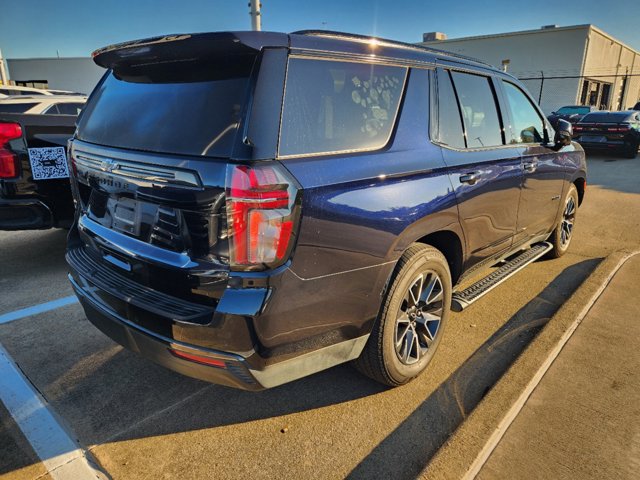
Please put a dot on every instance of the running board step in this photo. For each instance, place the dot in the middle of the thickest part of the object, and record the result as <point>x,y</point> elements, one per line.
<point>461,300</point>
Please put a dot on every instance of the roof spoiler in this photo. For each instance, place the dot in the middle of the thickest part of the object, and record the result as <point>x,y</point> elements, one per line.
<point>194,47</point>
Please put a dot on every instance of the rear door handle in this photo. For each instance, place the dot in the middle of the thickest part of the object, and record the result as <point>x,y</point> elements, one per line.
<point>471,178</point>
<point>530,166</point>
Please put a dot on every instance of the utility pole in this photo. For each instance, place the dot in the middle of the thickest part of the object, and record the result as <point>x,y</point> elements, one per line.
<point>254,12</point>
<point>4,78</point>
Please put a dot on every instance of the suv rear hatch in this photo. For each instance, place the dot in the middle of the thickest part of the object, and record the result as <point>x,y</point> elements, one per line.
<point>150,160</point>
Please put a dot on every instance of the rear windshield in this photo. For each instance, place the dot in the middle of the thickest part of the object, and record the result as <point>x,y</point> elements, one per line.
<point>169,114</point>
<point>16,107</point>
<point>573,110</point>
<point>606,117</point>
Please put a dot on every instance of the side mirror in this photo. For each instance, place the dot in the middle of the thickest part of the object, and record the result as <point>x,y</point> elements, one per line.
<point>553,113</point>
<point>564,132</point>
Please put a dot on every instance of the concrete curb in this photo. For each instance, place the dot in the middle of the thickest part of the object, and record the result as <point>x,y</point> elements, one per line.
<point>464,453</point>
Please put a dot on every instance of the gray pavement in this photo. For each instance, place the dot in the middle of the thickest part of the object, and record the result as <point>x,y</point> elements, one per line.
<point>583,419</point>
<point>141,421</point>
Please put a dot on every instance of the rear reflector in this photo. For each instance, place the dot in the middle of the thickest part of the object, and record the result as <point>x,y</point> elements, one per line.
<point>211,362</point>
<point>8,164</point>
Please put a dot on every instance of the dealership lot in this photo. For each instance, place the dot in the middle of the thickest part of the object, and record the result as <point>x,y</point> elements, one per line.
<point>139,420</point>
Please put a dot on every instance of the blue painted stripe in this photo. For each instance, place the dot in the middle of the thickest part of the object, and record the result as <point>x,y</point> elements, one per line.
<point>36,309</point>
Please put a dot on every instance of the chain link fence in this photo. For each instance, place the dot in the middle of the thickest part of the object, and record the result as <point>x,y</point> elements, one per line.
<point>605,92</point>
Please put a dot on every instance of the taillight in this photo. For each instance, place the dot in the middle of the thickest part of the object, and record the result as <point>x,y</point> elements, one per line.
<point>624,128</point>
<point>260,216</point>
<point>8,159</point>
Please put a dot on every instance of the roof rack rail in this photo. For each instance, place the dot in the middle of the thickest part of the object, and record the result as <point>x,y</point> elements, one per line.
<point>383,41</point>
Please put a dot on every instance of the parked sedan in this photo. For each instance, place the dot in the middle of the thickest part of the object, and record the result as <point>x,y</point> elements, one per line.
<point>570,113</point>
<point>13,91</point>
<point>618,131</point>
<point>44,104</point>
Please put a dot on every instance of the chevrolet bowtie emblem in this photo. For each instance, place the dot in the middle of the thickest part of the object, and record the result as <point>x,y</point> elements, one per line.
<point>108,165</point>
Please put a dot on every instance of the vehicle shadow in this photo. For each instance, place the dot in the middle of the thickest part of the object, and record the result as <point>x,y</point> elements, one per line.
<point>421,434</point>
<point>110,395</point>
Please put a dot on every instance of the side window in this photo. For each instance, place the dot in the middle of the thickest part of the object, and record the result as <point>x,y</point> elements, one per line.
<point>69,108</point>
<point>479,111</point>
<point>52,110</point>
<point>449,123</point>
<point>527,126</point>
<point>333,106</point>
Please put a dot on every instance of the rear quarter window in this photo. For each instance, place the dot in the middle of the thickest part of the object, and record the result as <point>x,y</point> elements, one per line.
<point>334,106</point>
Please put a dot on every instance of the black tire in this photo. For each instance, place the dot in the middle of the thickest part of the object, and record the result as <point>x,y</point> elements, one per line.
<point>630,149</point>
<point>381,359</point>
<point>563,232</point>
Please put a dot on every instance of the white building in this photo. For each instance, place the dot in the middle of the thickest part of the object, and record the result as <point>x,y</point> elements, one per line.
<point>581,64</point>
<point>78,74</point>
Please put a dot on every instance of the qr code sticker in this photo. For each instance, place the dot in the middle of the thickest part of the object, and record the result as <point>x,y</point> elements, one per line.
<point>48,163</point>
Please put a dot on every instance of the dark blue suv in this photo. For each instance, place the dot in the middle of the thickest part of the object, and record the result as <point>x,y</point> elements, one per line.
<point>255,207</point>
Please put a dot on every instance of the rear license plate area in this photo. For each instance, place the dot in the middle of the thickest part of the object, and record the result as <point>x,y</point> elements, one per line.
<point>126,216</point>
<point>594,138</point>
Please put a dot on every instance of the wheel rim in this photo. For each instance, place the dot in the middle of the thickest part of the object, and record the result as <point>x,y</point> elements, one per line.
<point>419,318</point>
<point>568,218</point>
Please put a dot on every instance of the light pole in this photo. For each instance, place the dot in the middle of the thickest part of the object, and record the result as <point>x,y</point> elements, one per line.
<point>4,78</point>
<point>254,12</point>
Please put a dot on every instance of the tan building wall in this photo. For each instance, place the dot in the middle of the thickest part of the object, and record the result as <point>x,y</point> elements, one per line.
<point>572,51</point>
<point>606,55</point>
<point>74,74</point>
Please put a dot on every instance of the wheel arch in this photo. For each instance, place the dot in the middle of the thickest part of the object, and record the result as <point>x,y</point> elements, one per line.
<point>581,186</point>
<point>450,245</point>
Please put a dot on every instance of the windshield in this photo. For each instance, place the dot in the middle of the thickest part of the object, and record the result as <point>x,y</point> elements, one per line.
<point>181,113</point>
<point>573,110</point>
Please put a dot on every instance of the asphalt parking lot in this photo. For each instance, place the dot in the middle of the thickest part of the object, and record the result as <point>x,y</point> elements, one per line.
<point>139,420</point>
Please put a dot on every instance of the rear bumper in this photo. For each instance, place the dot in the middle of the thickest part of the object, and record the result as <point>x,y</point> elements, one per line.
<point>159,328</point>
<point>233,373</point>
<point>24,214</point>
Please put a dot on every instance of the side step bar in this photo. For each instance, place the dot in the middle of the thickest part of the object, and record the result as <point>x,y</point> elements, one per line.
<point>461,300</point>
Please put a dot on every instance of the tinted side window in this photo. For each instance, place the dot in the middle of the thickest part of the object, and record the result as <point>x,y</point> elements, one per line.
<point>52,110</point>
<point>479,111</point>
<point>449,123</point>
<point>527,126</point>
<point>69,108</point>
<point>332,106</point>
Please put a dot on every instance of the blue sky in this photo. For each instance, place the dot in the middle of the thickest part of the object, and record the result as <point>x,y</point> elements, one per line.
<point>75,28</point>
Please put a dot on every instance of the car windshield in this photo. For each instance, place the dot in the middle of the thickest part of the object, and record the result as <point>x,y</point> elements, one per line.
<point>571,110</point>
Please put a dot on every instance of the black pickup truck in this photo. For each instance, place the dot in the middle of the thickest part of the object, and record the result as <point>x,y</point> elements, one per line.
<point>34,178</point>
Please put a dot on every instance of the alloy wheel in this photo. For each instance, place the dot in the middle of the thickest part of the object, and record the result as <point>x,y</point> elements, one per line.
<point>419,318</point>
<point>568,218</point>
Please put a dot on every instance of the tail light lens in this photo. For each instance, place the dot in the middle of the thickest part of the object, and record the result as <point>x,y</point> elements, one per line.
<point>623,128</point>
<point>8,159</point>
<point>261,214</point>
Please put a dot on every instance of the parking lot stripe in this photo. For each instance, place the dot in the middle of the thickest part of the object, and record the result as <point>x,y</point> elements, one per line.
<point>43,307</point>
<point>59,452</point>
